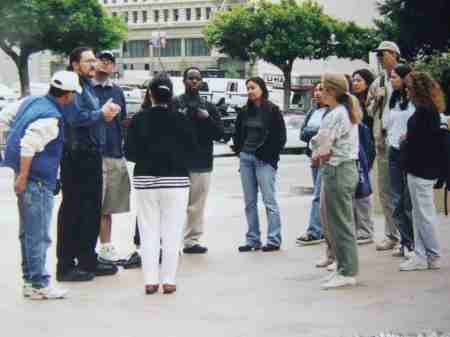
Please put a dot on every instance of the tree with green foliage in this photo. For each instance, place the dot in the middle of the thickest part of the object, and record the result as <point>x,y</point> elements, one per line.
<point>31,26</point>
<point>419,27</point>
<point>282,32</point>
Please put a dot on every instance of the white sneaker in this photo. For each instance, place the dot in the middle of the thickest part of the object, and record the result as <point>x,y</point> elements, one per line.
<point>27,290</point>
<point>434,262</point>
<point>414,263</point>
<point>386,244</point>
<point>108,253</point>
<point>332,267</point>
<point>328,277</point>
<point>339,281</point>
<point>324,262</point>
<point>49,293</point>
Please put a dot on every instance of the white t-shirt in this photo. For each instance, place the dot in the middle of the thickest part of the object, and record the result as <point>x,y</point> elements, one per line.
<point>396,123</point>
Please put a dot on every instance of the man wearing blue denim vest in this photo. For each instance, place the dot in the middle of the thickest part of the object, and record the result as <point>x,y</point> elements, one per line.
<point>33,151</point>
<point>81,177</point>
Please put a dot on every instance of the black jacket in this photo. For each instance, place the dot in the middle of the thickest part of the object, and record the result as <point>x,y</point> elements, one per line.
<point>206,130</point>
<point>423,144</point>
<point>159,141</point>
<point>274,133</point>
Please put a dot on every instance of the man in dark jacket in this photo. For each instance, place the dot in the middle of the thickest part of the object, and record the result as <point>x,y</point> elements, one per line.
<point>81,177</point>
<point>207,126</point>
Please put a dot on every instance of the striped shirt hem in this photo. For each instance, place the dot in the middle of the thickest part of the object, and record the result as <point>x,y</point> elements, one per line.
<point>152,182</point>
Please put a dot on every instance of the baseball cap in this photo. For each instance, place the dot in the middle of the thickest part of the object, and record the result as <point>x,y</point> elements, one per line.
<point>67,81</point>
<point>161,84</point>
<point>107,54</point>
<point>390,46</point>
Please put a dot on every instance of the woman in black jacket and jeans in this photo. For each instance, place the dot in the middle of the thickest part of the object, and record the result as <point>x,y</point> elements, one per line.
<point>159,141</point>
<point>422,165</point>
<point>260,136</point>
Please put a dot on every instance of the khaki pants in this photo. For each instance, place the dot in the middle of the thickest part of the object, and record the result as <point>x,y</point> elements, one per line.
<point>198,193</point>
<point>339,185</point>
<point>330,245</point>
<point>385,193</point>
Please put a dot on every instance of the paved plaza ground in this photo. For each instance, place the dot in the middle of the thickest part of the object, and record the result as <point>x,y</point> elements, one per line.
<point>229,294</point>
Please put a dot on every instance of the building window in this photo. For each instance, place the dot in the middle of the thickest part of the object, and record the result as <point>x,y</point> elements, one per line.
<point>196,47</point>
<point>125,17</point>
<point>136,48</point>
<point>114,1</point>
<point>198,14</point>
<point>208,13</point>
<point>173,48</point>
<point>166,15</point>
<point>135,16</point>
<point>147,66</point>
<point>125,1</point>
<point>188,14</point>
<point>176,17</point>
<point>156,15</point>
<point>105,2</point>
<point>114,14</point>
<point>125,66</point>
<point>131,66</point>
<point>144,16</point>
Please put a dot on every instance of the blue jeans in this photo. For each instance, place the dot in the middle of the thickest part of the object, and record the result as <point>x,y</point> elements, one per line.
<point>401,200</point>
<point>258,175</point>
<point>35,213</point>
<point>314,227</point>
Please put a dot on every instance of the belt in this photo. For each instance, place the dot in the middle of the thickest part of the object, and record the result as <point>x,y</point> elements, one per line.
<point>83,148</point>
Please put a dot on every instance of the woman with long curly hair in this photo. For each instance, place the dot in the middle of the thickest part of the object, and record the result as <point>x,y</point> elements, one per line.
<point>422,164</point>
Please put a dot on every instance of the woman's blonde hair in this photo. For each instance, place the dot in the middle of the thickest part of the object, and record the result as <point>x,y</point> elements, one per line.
<point>425,91</point>
<point>339,84</point>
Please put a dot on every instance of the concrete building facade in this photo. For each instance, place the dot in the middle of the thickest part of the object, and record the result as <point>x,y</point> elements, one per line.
<point>167,35</point>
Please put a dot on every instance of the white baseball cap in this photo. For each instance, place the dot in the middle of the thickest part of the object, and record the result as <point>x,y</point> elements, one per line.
<point>67,81</point>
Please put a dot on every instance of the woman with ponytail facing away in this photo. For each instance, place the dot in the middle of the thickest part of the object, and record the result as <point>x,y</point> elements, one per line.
<point>159,141</point>
<point>335,149</point>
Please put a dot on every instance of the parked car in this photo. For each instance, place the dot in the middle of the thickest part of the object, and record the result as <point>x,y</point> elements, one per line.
<point>293,123</point>
<point>7,96</point>
<point>228,115</point>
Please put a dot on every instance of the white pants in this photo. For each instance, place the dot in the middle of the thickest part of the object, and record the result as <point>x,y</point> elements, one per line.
<point>161,215</point>
<point>424,217</point>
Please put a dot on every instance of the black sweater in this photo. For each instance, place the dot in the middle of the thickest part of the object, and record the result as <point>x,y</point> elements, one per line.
<point>274,132</point>
<point>423,146</point>
<point>206,130</point>
<point>159,141</point>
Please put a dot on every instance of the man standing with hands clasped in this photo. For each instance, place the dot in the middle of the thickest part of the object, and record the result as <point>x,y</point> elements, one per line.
<point>207,125</point>
<point>33,151</point>
<point>81,177</point>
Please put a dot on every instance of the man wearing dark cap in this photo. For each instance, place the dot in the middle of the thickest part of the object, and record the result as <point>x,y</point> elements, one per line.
<point>116,182</point>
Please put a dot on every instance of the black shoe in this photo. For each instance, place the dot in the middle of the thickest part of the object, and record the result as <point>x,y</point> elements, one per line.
<point>104,269</point>
<point>133,262</point>
<point>248,248</point>
<point>270,248</point>
<point>75,275</point>
<point>195,249</point>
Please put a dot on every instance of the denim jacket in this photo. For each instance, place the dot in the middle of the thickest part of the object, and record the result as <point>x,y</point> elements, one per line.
<point>84,124</point>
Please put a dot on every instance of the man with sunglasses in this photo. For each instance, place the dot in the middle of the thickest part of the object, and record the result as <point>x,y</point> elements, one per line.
<point>207,126</point>
<point>388,55</point>
<point>116,182</point>
<point>81,176</point>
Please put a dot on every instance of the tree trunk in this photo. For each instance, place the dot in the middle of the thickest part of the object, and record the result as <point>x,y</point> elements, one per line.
<point>287,86</point>
<point>24,74</point>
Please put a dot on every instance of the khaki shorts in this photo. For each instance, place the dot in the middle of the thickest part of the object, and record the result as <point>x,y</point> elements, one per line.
<point>116,186</point>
